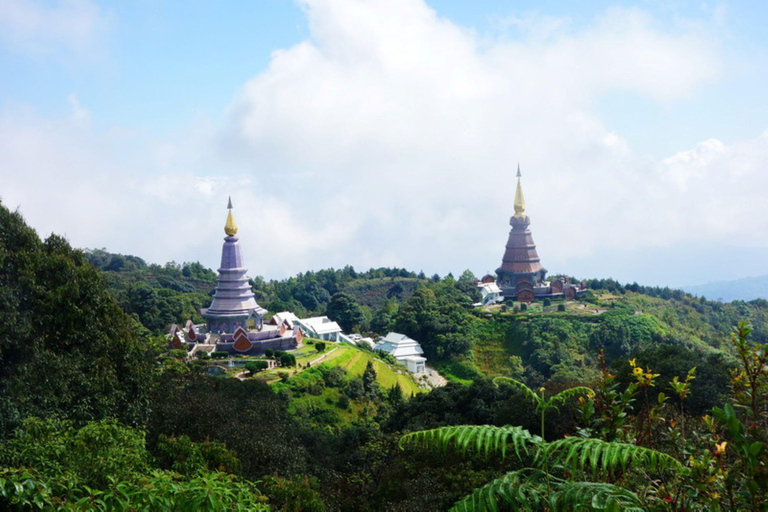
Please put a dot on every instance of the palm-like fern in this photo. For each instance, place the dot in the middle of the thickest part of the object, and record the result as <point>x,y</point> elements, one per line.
<point>485,439</point>
<point>579,454</point>
<point>535,488</point>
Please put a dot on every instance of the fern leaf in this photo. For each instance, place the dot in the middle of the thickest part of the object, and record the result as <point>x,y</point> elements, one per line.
<point>596,454</point>
<point>519,386</point>
<point>525,489</point>
<point>485,439</point>
<point>569,393</point>
<point>596,496</point>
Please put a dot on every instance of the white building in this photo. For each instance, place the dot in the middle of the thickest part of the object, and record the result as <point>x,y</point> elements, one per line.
<point>284,317</point>
<point>490,292</point>
<point>407,351</point>
<point>319,327</point>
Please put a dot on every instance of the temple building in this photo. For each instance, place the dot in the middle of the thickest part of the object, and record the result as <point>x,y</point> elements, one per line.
<point>234,321</point>
<point>521,275</point>
<point>233,301</point>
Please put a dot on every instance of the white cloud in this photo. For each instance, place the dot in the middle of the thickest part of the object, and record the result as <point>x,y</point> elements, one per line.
<point>52,28</point>
<point>391,137</point>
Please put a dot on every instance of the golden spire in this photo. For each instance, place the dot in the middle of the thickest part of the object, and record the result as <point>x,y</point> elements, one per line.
<point>230,228</point>
<point>519,199</point>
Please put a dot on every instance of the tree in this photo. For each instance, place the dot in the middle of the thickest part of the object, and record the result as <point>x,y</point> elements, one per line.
<point>370,385</point>
<point>383,320</point>
<point>66,346</point>
<point>467,277</point>
<point>319,346</point>
<point>254,367</point>
<point>345,310</point>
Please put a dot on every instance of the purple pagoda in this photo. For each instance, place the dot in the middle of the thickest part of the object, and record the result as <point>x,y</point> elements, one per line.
<point>233,301</point>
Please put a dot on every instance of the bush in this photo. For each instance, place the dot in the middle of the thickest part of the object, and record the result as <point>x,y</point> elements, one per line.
<point>287,360</point>
<point>561,307</point>
<point>335,376</point>
<point>284,376</point>
<point>523,307</point>
<point>269,353</point>
<point>320,346</point>
<point>202,354</point>
<point>256,366</point>
<point>547,302</point>
<point>179,353</point>
<point>343,402</point>
<point>219,354</point>
<point>278,354</point>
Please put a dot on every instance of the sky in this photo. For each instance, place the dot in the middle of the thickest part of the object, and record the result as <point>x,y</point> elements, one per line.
<point>388,132</point>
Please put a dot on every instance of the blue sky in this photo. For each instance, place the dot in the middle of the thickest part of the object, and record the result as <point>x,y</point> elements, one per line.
<point>386,133</point>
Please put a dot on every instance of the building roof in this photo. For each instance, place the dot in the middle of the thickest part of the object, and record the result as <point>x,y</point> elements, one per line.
<point>487,288</point>
<point>399,345</point>
<point>284,316</point>
<point>319,324</point>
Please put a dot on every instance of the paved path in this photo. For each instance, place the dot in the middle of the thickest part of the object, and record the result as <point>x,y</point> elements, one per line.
<point>325,354</point>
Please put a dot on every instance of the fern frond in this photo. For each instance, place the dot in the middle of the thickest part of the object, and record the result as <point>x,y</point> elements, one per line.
<point>569,393</point>
<point>596,496</point>
<point>484,439</point>
<point>522,388</point>
<point>524,490</point>
<point>599,455</point>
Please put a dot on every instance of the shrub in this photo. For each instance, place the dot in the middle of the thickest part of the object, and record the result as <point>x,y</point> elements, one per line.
<point>203,355</point>
<point>284,376</point>
<point>179,353</point>
<point>547,302</point>
<point>256,366</point>
<point>320,346</point>
<point>219,354</point>
<point>269,353</point>
<point>343,402</point>
<point>287,360</point>
<point>561,307</point>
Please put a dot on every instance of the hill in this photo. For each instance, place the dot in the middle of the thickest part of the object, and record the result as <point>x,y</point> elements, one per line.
<point>748,288</point>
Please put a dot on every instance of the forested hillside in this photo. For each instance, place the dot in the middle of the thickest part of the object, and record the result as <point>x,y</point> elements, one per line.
<point>630,398</point>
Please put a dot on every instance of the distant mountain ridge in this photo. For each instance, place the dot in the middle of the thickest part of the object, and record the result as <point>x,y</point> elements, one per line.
<point>747,288</point>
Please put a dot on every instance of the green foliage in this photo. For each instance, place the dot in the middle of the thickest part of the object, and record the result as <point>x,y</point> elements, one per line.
<point>535,488</point>
<point>344,309</point>
<point>219,354</point>
<point>438,317</point>
<point>320,346</point>
<point>184,456</point>
<point>746,481</point>
<point>179,353</point>
<point>159,490</point>
<point>87,456</point>
<point>60,325</point>
<point>531,489</point>
<point>287,360</point>
<point>485,439</point>
<point>256,366</point>
<point>269,353</point>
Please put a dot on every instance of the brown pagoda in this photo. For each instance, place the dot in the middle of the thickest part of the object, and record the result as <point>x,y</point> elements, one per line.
<point>521,276</point>
<point>521,272</point>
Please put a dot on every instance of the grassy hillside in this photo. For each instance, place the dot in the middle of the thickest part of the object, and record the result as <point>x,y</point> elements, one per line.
<point>329,392</point>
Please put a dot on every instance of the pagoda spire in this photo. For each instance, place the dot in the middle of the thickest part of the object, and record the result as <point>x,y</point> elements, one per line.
<point>519,198</point>
<point>230,228</point>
